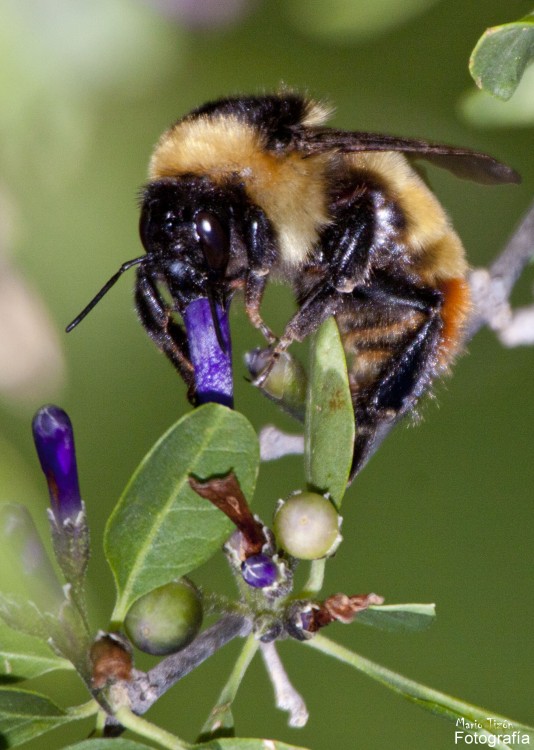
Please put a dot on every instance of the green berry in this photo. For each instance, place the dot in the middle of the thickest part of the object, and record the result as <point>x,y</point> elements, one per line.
<point>166,619</point>
<point>307,526</point>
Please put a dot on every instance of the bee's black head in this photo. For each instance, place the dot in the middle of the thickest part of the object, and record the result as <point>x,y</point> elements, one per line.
<point>188,220</point>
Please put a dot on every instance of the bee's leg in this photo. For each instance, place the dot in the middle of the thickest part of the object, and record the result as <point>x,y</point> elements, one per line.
<point>261,256</point>
<point>320,304</point>
<point>348,243</point>
<point>156,317</point>
<point>394,353</point>
<point>347,247</point>
<point>254,289</point>
<point>347,253</point>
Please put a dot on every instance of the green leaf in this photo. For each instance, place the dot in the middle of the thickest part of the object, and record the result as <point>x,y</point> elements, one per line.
<point>25,715</point>
<point>484,721</point>
<point>501,55</point>
<point>329,426</point>
<point>18,613</point>
<point>161,529</point>
<point>395,617</point>
<point>23,657</point>
<point>220,722</point>
<point>117,743</point>
<point>66,632</point>
<point>240,743</point>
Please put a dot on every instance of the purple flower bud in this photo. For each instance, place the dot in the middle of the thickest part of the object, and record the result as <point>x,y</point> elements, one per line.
<point>54,441</point>
<point>259,571</point>
<point>210,350</point>
<point>300,620</point>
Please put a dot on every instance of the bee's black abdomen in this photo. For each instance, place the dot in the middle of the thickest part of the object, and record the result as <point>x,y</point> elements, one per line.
<point>392,335</point>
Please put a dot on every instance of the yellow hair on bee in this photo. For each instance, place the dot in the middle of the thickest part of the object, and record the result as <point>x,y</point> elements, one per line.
<point>443,259</point>
<point>437,251</point>
<point>316,113</point>
<point>290,189</point>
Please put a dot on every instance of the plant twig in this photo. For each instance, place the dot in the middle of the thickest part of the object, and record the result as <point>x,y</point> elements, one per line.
<point>286,697</point>
<point>274,443</point>
<point>149,686</point>
<point>491,287</point>
<point>315,579</point>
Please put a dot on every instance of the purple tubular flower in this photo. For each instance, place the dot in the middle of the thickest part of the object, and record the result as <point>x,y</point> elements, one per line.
<point>54,441</point>
<point>259,571</point>
<point>212,362</point>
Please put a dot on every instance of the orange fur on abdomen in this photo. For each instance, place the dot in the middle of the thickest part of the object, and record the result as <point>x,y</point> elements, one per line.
<point>454,313</point>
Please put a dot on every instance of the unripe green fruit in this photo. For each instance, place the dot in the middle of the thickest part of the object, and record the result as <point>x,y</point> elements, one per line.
<point>166,619</point>
<point>307,526</point>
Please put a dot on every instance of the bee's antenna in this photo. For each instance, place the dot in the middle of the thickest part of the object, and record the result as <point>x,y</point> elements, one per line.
<point>105,289</point>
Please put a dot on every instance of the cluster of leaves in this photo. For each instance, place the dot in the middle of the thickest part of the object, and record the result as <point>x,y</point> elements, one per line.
<point>161,529</point>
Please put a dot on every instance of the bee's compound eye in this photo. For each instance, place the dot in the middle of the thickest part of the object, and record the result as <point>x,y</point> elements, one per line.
<point>215,240</point>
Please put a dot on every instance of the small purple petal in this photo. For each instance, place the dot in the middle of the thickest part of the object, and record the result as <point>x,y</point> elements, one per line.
<point>259,571</point>
<point>54,441</point>
<point>306,620</point>
<point>212,365</point>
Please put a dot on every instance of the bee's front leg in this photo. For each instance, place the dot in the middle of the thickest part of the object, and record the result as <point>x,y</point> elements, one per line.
<point>320,304</point>
<point>157,320</point>
<point>254,289</point>
<point>261,249</point>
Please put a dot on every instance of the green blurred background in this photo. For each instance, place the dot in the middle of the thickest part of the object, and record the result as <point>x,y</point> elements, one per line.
<point>443,511</point>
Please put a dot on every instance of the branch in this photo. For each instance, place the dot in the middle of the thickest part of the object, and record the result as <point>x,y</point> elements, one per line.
<point>274,443</point>
<point>287,698</point>
<point>492,287</point>
<point>147,687</point>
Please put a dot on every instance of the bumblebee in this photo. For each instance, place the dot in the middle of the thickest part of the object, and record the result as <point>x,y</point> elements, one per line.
<point>248,188</point>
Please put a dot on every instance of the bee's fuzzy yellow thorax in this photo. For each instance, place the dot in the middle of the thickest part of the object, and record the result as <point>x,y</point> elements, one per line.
<point>289,188</point>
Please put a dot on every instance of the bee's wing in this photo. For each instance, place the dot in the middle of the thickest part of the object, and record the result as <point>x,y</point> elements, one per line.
<point>462,162</point>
